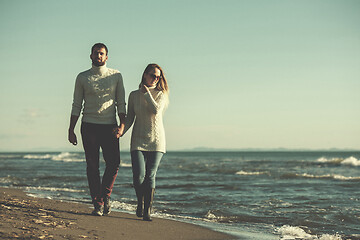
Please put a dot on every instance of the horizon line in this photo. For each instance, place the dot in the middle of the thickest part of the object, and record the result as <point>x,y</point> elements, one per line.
<point>196,149</point>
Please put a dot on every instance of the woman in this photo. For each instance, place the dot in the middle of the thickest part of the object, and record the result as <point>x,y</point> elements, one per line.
<point>146,106</point>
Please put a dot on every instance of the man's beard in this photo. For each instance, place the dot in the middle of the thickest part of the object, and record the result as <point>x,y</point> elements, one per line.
<point>98,64</point>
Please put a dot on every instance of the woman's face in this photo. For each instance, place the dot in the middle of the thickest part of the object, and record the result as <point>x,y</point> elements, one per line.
<point>152,77</point>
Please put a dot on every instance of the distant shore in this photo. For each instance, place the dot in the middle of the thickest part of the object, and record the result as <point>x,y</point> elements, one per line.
<point>25,217</point>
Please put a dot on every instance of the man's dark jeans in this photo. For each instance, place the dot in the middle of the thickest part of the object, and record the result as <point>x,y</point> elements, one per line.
<point>94,137</point>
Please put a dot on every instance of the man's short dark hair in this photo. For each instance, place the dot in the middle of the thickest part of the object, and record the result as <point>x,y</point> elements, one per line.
<point>99,45</point>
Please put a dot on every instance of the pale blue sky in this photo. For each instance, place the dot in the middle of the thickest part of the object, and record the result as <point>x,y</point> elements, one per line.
<point>242,74</point>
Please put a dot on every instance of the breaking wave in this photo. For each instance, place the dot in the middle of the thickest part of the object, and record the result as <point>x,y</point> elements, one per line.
<point>63,157</point>
<point>54,189</point>
<point>331,176</point>
<point>345,161</point>
<point>250,173</point>
<point>125,165</point>
<point>290,232</point>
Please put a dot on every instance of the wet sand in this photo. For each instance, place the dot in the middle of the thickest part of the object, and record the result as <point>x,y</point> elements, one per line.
<point>25,217</point>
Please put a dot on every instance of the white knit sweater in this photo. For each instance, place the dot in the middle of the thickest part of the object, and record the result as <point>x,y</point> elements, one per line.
<point>148,133</point>
<point>102,91</point>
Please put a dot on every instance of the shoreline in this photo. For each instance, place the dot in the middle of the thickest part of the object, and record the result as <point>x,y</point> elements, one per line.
<point>27,217</point>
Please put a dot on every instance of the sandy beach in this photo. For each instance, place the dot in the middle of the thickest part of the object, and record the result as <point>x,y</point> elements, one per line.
<point>26,217</point>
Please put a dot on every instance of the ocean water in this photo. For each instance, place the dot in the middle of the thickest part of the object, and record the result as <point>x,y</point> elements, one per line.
<point>251,195</point>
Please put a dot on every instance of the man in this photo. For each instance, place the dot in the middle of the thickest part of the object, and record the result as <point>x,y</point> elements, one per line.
<point>102,91</point>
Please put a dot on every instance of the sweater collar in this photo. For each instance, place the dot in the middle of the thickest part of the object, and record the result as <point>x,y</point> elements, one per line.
<point>99,70</point>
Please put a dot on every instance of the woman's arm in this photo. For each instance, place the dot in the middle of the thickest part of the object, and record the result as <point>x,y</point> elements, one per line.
<point>129,120</point>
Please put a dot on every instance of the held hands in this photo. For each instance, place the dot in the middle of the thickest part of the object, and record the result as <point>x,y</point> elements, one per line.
<point>119,131</point>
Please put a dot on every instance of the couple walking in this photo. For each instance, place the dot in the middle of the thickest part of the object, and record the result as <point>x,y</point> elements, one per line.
<point>99,93</point>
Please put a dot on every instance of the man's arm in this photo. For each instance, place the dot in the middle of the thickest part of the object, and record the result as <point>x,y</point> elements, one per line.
<point>71,135</point>
<point>76,109</point>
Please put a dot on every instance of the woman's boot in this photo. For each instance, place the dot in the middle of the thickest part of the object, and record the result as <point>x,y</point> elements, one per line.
<point>148,200</point>
<point>140,201</point>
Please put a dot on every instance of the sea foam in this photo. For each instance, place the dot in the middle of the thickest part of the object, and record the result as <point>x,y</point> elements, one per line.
<point>127,207</point>
<point>54,189</point>
<point>249,173</point>
<point>125,165</point>
<point>289,232</point>
<point>351,161</point>
<point>63,157</point>
<point>67,157</point>
<point>333,176</point>
<point>34,156</point>
<point>347,161</point>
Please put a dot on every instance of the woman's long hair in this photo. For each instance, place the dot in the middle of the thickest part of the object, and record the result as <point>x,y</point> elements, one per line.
<point>162,84</point>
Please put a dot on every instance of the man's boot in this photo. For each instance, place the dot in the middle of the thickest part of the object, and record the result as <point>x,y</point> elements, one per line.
<point>107,205</point>
<point>148,200</point>
<point>98,209</point>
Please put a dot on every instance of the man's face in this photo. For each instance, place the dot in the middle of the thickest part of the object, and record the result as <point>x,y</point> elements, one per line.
<point>99,57</point>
